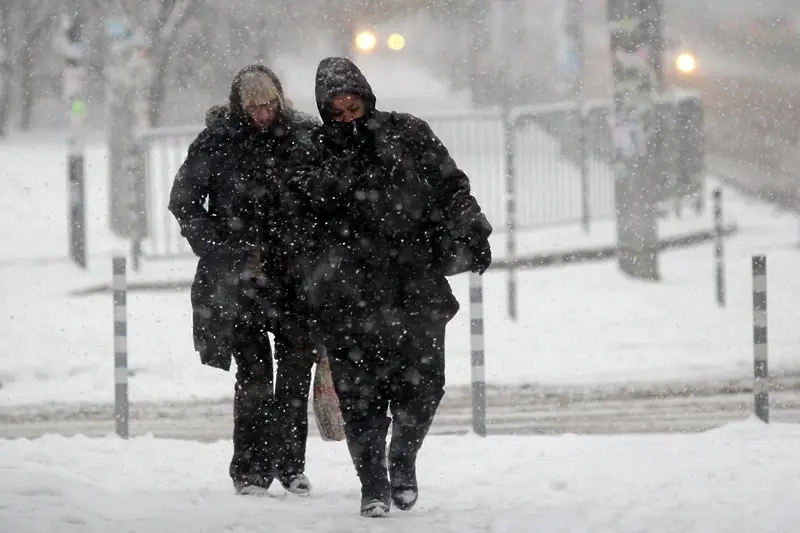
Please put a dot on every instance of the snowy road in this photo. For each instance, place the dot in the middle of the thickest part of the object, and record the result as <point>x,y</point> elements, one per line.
<point>511,411</point>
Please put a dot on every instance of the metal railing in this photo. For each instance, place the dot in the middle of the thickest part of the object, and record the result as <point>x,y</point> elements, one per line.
<point>518,172</point>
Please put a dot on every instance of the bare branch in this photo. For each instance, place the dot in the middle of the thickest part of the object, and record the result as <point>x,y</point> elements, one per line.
<point>5,38</point>
<point>157,9</point>
<point>5,23</point>
<point>176,17</point>
<point>98,5</point>
<point>39,28</point>
<point>42,20</point>
<point>191,8</point>
<point>131,14</point>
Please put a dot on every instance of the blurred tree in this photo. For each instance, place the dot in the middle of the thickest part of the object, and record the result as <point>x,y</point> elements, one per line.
<point>24,33</point>
<point>6,71</point>
<point>160,22</point>
<point>157,23</point>
<point>33,21</point>
<point>37,19</point>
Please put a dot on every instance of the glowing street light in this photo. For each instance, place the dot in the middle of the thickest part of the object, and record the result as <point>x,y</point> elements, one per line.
<point>366,41</point>
<point>396,42</point>
<point>686,63</point>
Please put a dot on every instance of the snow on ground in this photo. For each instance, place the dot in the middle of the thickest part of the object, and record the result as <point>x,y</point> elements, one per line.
<point>579,325</point>
<point>33,201</point>
<point>587,324</point>
<point>742,477</point>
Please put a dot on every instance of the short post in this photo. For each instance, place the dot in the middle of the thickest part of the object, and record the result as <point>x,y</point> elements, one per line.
<point>477,354</point>
<point>511,216</point>
<point>136,254</point>
<point>719,256</point>
<point>120,290</point>
<point>760,351</point>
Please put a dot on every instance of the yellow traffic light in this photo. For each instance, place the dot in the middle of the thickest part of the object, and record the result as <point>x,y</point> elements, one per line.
<point>366,41</point>
<point>396,42</point>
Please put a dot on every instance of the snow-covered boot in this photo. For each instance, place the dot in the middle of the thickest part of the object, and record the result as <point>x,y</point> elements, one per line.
<point>296,483</point>
<point>406,442</point>
<point>367,445</point>
<point>252,484</point>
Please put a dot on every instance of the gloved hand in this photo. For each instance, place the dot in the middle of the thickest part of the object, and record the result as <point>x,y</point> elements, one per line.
<point>481,254</point>
<point>477,240</point>
<point>331,184</point>
<point>467,250</point>
<point>480,227</point>
<point>328,189</point>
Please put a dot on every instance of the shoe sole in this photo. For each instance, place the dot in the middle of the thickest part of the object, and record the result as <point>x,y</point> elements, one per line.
<point>251,490</point>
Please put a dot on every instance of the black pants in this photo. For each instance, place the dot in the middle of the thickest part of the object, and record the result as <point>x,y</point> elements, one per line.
<point>270,424</point>
<point>374,373</point>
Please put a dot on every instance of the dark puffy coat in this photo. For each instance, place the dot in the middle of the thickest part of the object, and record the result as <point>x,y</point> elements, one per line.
<point>236,168</point>
<point>386,202</point>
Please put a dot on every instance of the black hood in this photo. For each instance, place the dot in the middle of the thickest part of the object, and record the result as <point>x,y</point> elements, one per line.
<point>339,75</point>
<point>237,113</point>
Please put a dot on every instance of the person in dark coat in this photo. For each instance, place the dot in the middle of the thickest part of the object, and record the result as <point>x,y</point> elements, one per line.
<point>393,216</point>
<point>244,287</point>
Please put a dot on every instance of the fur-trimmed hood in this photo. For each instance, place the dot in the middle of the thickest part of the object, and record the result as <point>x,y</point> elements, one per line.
<point>237,115</point>
<point>218,119</point>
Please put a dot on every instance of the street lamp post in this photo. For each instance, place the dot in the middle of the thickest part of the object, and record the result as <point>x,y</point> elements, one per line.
<point>73,92</point>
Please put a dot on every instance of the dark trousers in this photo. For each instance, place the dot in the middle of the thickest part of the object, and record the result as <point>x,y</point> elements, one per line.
<point>376,373</point>
<point>270,423</point>
<point>295,355</point>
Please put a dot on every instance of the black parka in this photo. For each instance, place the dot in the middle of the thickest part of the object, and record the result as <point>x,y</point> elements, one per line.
<point>236,168</point>
<point>386,202</point>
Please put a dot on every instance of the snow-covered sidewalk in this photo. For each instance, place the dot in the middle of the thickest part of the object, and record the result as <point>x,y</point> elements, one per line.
<point>742,477</point>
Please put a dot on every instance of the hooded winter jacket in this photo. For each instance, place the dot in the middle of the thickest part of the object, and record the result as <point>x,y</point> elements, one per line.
<point>236,167</point>
<point>386,198</point>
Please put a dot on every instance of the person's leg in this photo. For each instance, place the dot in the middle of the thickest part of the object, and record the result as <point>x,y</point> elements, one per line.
<point>295,355</point>
<point>416,390</point>
<point>360,370</point>
<point>251,467</point>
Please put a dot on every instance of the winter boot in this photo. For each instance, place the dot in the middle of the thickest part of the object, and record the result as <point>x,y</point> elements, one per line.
<point>366,442</point>
<point>252,484</point>
<point>295,483</point>
<point>406,442</point>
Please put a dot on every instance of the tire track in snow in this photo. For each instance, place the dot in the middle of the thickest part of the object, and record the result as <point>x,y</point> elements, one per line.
<point>510,411</point>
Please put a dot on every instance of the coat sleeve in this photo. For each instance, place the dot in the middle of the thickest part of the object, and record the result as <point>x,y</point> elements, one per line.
<point>317,180</point>
<point>189,192</point>
<point>451,186</point>
<point>302,171</point>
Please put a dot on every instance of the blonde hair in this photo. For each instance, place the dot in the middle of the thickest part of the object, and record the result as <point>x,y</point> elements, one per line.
<point>257,88</point>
